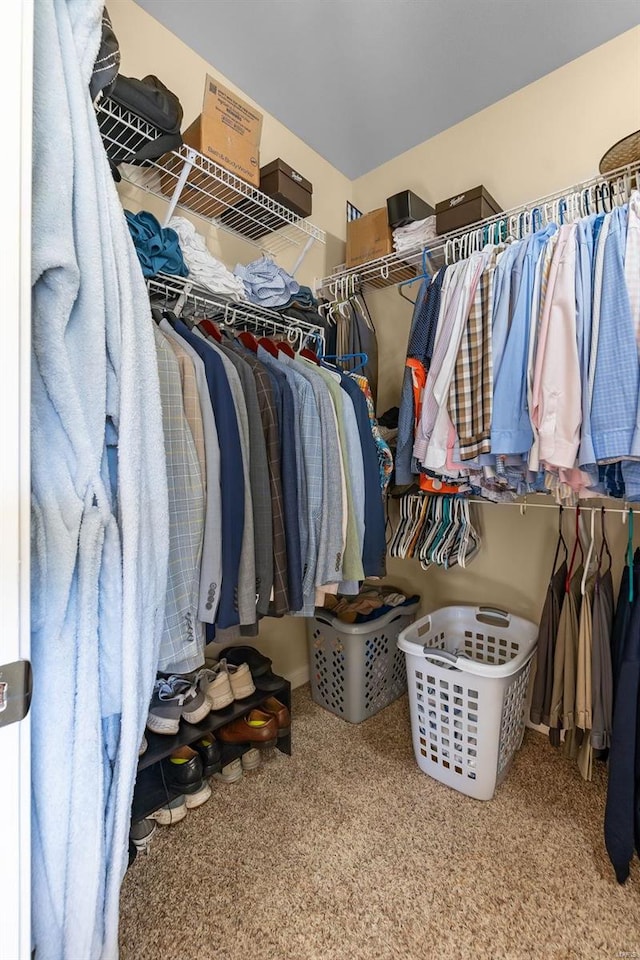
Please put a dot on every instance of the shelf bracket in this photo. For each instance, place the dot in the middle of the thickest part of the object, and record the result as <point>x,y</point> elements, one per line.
<point>182,179</point>
<point>302,255</point>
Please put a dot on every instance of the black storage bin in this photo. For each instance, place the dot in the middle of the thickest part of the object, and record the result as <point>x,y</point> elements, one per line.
<point>406,207</point>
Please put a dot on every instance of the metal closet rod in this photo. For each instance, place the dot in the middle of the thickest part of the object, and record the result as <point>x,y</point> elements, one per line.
<point>524,505</point>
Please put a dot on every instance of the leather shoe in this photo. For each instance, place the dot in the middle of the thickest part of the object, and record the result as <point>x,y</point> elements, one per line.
<point>210,754</point>
<point>281,714</point>
<point>183,770</point>
<point>256,727</point>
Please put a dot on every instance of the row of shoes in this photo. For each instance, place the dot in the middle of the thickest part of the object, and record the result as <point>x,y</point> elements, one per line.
<point>214,687</point>
<point>188,768</point>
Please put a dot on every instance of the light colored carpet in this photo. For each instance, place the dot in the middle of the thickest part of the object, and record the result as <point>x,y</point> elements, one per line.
<point>347,851</point>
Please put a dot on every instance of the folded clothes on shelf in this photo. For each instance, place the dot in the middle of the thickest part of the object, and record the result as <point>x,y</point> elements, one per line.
<point>158,248</point>
<point>267,284</point>
<point>415,234</point>
<point>204,268</point>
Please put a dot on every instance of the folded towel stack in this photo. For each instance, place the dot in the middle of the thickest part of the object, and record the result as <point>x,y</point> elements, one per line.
<point>157,247</point>
<point>415,234</point>
<point>204,268</point>
<point>267,284</point>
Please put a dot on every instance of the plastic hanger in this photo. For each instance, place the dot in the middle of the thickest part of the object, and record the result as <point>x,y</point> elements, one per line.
<point>585,572</point>
<point>342,358</point>
<point>573,552</point>
<point>248,340</point>
<point>283,347</point>
<point>604,545</point>
<point>421,276</point>
<point>630,553</point>
<point>210,327</point>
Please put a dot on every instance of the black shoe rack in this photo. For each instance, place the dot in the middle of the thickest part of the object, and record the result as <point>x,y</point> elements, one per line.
<point>152,791</point>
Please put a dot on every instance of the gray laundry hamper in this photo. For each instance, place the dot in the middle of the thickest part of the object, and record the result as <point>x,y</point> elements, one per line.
<point>356,668</point>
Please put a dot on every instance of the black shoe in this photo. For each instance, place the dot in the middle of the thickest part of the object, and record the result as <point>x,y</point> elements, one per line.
<point>183,770</point>
<point>258,663</point>
<point>210,754</point>
<point>260,666</point>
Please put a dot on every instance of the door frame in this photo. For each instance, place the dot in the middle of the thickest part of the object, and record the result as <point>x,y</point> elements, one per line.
<point>16,66</point>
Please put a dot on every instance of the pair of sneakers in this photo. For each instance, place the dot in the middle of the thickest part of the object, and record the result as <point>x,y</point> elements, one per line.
<point>174,698</point>
<point>224,682</point>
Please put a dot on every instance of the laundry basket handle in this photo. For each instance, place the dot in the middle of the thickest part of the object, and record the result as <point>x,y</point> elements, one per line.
<point>432,653</point>
<point>493,615</point>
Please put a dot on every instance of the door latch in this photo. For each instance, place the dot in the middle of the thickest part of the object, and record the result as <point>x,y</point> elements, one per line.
<point>15,691</point>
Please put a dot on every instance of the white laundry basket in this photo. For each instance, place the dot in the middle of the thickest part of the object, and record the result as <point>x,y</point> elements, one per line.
<point>356,669</point>
<point>467,674</point>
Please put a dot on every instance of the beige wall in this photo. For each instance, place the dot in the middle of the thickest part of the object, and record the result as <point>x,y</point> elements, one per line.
<point>546,136</point>
<point>540,139</point>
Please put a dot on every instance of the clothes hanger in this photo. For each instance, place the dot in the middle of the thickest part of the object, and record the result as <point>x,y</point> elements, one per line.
<point>363,359</point>
<point>573,552</point>
<point>283,347</point>
<point>421,276</point>
<point>585,573</point>
<point>604,546</point>
<point>630,553</point>
<point>248,340</point>
<point>210,327</point>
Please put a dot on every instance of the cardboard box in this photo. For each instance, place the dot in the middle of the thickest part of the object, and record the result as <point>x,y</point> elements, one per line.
<point>465,208</point>
<point>227,132</point>
<point>287,186</point>
<point>368,237</point>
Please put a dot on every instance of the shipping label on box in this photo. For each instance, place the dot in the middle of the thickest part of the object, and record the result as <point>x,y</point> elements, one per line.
<point>234,113</point>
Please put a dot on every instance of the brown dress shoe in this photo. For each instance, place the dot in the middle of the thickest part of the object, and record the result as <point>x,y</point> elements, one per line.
<point>281,714</point>
<point>256,727</point>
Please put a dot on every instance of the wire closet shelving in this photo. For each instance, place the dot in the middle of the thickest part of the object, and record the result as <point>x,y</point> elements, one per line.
<point>190,181</point>
<point>234,314</point>
<point>598,194</point>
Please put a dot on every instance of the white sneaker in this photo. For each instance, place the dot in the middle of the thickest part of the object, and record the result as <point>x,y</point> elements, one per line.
<point>230,773</point>
<point>241,680</point>
<point>201,796</point>
<point>250,760</point>
<point>171,813</point>
<point>215,685</point>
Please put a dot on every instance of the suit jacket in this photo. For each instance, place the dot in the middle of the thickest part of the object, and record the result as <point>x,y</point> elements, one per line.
<point>270,427</point>
<point>211,562</point>
<point>260,485</point>
<point>182,644</point>
<point>231,469</point>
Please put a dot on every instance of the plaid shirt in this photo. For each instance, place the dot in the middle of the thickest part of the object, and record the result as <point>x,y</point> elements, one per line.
<point>471,392</point>
<point>182,645</point>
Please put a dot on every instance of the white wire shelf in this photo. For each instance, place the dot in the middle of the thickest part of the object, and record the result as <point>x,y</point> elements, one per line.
<point>189,180</point>
<point>598,194</point>
<point>236,314</point>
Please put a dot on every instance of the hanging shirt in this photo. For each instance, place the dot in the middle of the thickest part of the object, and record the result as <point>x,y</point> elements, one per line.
<point>616,381</point>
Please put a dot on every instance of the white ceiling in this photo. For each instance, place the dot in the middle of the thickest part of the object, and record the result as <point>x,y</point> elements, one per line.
<point>361,81</point>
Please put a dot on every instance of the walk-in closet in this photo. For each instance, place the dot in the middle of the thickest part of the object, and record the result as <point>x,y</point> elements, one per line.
<point>320,577</point>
